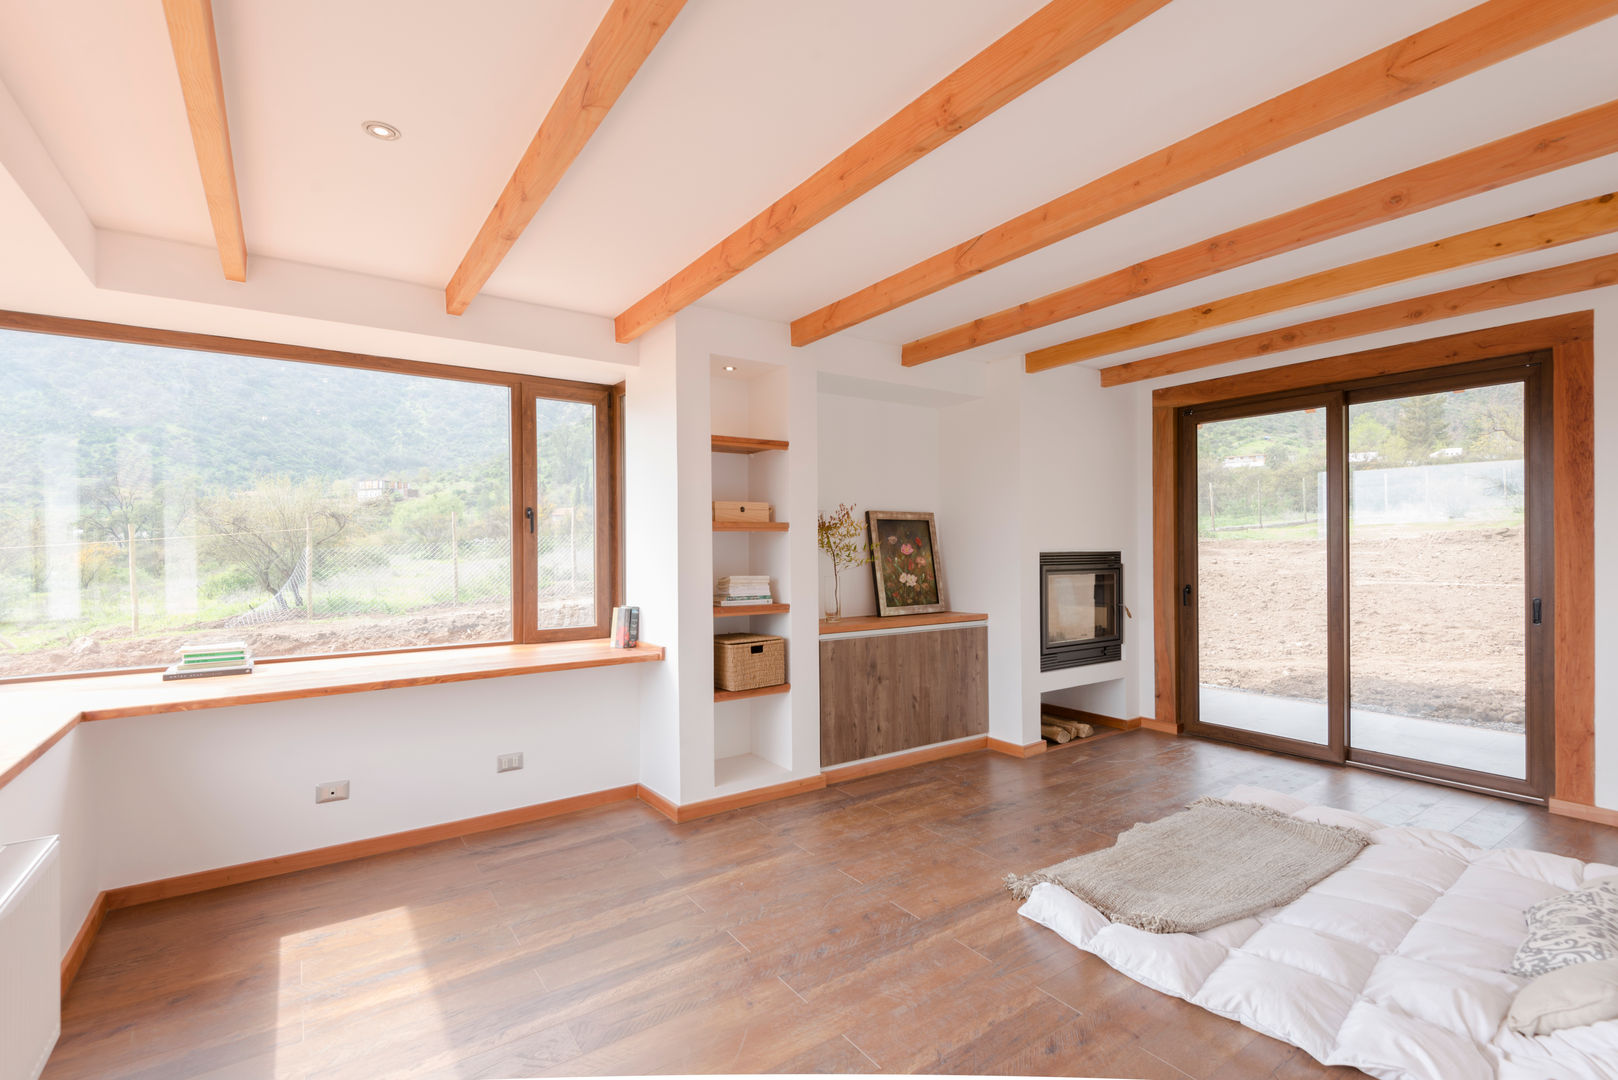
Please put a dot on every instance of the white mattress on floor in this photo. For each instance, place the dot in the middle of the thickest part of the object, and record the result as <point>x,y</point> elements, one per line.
<point>1395,965</point>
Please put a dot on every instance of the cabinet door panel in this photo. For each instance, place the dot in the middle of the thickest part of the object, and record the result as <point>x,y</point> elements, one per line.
<point>892,692</point>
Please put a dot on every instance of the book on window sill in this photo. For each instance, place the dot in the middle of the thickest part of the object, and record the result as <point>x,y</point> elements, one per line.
<point>199,649</point>
<point>624,632</point>
<point>206,671</point>
<point>192,665</point>
<point>221,658</point>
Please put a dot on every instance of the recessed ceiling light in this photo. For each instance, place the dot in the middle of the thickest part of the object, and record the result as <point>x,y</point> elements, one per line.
<point>730,367</point>
<point>376,129</point>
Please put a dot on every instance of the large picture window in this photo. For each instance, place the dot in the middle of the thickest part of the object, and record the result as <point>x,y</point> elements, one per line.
<point>306,503</point>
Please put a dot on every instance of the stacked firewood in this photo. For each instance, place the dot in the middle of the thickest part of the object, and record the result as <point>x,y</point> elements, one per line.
<point>1060,730</point>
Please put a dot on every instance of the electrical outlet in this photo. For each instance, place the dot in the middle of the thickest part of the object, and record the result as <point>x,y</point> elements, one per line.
<point>508,763</point>
<point>336,791</point>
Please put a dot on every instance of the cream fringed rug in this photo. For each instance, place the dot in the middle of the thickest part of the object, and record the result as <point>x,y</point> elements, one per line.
<point>1212,863</point>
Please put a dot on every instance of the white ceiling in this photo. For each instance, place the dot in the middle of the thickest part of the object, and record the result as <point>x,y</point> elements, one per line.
<point>740,101</point>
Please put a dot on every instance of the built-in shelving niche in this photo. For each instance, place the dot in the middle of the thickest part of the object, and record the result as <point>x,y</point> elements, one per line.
<point>752,728</point>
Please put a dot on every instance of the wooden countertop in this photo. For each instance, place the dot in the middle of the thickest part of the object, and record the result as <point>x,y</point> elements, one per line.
<point>859,623</point>
<point>35,715</point>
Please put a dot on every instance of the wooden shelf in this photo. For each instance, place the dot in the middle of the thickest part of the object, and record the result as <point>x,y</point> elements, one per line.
<point>739,695</point>
<point>741,444</point>
<point>750,609</point>
<point>858,623</point>
<point>749,526</point>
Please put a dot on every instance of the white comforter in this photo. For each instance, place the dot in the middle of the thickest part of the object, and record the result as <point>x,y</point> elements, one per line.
<point>1395,965</point>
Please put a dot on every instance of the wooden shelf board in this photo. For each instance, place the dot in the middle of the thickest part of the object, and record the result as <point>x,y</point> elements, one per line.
<point>751,609</point>
<point>857,623</point>
<point>749,526</point>
<point>742,444</point>
<point>739,695</point>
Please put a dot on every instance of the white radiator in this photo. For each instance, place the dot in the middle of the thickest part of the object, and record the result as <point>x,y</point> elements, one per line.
<point>30,956</point>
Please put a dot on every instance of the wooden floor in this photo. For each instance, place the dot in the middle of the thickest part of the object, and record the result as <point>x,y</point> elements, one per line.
<point>859,928</point>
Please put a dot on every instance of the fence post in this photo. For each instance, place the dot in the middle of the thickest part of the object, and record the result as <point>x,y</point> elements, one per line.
<point>455,556</point>
<point>1213,513</point>
<point>134,588</point>
<point>573,551</point>
<point>308,568</point>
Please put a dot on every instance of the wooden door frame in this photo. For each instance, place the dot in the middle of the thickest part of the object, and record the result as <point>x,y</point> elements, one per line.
<point>1569,338</point>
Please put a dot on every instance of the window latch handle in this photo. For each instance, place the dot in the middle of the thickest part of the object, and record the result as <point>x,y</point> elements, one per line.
<point>1539,612</point>
<point>1185,596</point>
<point>528,512</point>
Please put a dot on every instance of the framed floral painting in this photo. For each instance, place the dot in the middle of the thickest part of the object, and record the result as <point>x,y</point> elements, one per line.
<point>909,574</point>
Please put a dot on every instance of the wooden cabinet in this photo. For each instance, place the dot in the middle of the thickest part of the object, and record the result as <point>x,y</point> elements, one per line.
<point>885,690</point>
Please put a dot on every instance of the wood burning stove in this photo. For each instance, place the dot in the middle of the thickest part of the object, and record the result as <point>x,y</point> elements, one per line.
<point>1081,608</point>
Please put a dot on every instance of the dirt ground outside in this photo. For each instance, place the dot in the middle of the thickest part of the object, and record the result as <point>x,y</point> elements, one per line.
<point>112,649</point>
<point>1437,619</point>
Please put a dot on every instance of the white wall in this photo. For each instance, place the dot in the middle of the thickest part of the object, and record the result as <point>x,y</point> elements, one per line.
<point>190,791</point>
<point>53,797</point>
<point>1078,494</point>
<point>980,528</point>
<point>1041,463</point>
<point>876,455</point>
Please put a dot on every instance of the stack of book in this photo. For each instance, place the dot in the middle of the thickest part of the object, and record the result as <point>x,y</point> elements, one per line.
<point>625,630</point>
<point>742,591</point>
<point>199,661</point>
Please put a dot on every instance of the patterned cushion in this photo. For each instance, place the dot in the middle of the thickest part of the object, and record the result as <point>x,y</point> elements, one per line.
<point>1570,929</point>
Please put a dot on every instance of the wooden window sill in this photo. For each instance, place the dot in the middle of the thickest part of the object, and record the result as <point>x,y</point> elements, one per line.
<point>34,716</point>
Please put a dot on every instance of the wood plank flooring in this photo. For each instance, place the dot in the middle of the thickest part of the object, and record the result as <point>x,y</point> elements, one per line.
<point>859,928</point>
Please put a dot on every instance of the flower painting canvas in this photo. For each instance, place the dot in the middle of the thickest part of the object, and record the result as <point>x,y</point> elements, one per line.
<point>904,550</point>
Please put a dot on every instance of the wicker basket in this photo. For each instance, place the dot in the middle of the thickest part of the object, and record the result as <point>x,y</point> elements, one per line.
<point>749,661</point>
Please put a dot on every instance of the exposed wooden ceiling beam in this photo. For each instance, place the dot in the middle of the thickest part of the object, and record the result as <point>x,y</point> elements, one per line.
<point>1046,42</point>
<point>627,35</point>
<point>1596,273</point>
<point>1474,39</point>
<point>1550,228</point>
<point>196,56</point>
<point>1573,139</point>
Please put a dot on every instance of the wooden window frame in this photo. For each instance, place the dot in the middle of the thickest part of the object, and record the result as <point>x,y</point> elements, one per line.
<point>1569,338</point>
<point>522,389</point>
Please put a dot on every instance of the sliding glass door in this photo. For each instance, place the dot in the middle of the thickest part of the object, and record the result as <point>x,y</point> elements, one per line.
<point>1262,557</point>
<point>1365,574</point>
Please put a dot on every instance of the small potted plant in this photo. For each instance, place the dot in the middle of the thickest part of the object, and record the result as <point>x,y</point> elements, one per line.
<point>841,536</point>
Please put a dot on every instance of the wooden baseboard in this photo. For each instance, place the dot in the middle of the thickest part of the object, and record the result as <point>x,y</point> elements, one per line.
<point>1152,723</point>
<point>1583,811</point>
<point>854,770</point>
<point>708,807</point>
<point>186,884</point>
<point>1093,719</point>
<point>1033,749</point>
<point>81,942</point>
<point>657,802</point>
